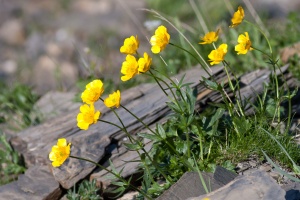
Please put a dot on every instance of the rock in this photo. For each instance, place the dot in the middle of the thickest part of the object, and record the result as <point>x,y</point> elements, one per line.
<point>257,185</point>
<point>190,185</point>
<point>12,32</point>
<point>49,75</point>
<point>69,75</point>
<point>265,167</point>
<point>35,46</point>
<point>56,103</point>
<point>44,73</point>
<point>8,68</point>
<point>129,196</point>
<point>292,190</point>
<point>36,142</point>
<point>276,8</point>
<point>37,183</point>
<point>92,7</point>
<point>53,50</point>
<point>288,52</point>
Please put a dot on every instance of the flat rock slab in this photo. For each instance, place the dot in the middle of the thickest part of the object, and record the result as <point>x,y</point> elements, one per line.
<point>292,190</point>
<point>36,184</point>
<point>146,101</point>
<point>253,186</point>
<point>190,185</point>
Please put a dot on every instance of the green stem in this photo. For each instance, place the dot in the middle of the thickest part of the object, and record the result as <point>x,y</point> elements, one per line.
<point>107,122</point>
<point>115,174</point>
<point>167,86</point>
<point>262,52</point>
<point>142,148</point>
<point>258,28</point>
<point>146,126</point>
<point>188,143</point>
<point>179,47</point>
<point>158,83</point>
<point>273,63</point>
<point>173,82</point>
<point>226,64</point>
<point>134,140</point>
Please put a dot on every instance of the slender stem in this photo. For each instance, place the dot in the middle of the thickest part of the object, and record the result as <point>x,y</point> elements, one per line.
<point>262,52</point>
<point>226,64</point>
<point>142,148</point>
<point>158,83</point>
<point>134,140</point>
<point>192,56</point>
<point>188,143</point>
<point>273,63</point>
<point>115,174</point>
<point>146,126</point>
<point>257,27</point>
<point>107,122</point>
<point>167,86</point>
<point>173,82</point>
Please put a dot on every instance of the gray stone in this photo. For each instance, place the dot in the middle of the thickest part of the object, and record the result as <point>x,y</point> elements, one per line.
<point>37,183</point>
<point>292,190</point>
<point>56,103</point>
<point>190,185</point>
<point>257,185</point>
<point>50,75</point>
<point>12,32</point>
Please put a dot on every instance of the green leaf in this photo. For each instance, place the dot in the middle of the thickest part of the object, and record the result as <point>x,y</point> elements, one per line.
<point>132,147</point>
<point>174,106</point>
<point>211,85</point>
<point>161,131</point>
<point>117,183</point>
<point>210,121</point>
<point>152,137</point>
<point>296,169</point>
<point>280,170</point>
<point>119,190</point>
<point>242,124</point>
<point>181,147</point>
<point>172,132</point>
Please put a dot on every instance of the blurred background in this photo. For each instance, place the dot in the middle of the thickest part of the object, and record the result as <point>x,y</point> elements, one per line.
<point>61,45</point>
<point>50,45</point>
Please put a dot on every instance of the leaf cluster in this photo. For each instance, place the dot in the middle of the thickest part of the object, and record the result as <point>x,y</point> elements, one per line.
<point>87,191</point>
<point>11,164</point>
<point>18,101</point>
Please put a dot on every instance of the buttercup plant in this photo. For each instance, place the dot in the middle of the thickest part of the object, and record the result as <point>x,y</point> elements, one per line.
<point>188,141</point>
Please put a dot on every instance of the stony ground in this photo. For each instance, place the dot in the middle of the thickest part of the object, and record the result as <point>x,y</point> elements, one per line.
<point>49,45</point>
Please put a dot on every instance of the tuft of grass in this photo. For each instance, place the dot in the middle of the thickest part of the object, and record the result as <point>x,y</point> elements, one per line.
<point>17,106</point>
<point>16,113</point>
<point>87,191</point>
<point>11,164</point>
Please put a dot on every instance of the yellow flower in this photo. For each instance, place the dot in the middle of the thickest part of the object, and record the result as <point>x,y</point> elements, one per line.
<point>244,44</point>
<point>129,68</point>
<point>160,39</point>
<point>238,17</point>
<point>144,63</point>
<point>87,116</point>
<point>113,100</point>
<point>216,56</point>
<point>130,45</point>
<point>92,92</point>
<point>210,37</point>
<point>60,152</point>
